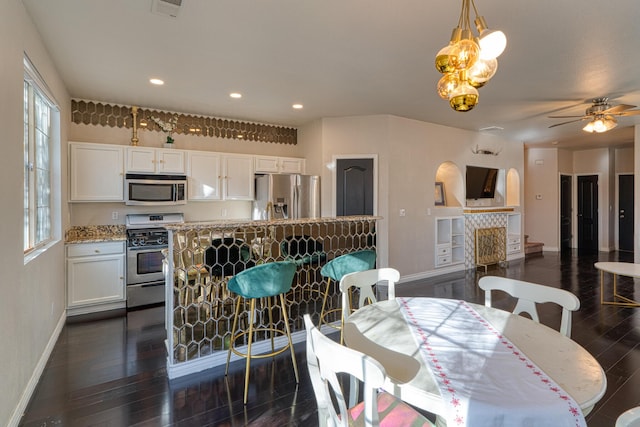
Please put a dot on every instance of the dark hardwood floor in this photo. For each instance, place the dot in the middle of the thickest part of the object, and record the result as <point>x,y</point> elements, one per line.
<point>111,371</point>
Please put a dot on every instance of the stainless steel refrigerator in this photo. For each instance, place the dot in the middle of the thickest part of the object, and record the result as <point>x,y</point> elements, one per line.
<point>286,196</point>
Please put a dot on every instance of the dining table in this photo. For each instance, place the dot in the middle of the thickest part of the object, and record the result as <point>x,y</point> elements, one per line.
<point>386,332</point>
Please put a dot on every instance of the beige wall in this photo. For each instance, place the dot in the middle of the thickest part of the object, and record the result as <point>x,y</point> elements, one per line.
<point>409,153</point>
<point>598,162</point>
<point>33,295</point>
<point>541,196</point>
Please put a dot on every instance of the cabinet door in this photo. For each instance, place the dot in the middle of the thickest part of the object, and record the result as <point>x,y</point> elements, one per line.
<point>95,279</point>
<point>266,164</point>
<point>238,177</point>
<point>141,160</point>
<point>96,172</point>
<point>204,176</point>
<point>170,161</point>
<point>291,165</point>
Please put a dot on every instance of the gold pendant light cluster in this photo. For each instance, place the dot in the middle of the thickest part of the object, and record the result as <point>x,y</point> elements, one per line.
<point>468,62</point>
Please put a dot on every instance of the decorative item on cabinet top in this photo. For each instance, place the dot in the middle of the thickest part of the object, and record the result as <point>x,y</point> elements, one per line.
<point>101,114</point>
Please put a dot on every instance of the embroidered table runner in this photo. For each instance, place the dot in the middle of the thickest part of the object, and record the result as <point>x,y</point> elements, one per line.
<point>483,378</point>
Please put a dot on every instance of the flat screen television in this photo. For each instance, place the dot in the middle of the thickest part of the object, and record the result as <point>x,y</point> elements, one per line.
<point>481,182</point>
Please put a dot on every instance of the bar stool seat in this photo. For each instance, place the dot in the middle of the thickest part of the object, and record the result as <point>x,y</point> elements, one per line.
<point>336,269</point>
<point>263,282</point>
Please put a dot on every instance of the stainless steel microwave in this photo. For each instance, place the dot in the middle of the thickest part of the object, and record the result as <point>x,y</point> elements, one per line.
<point>154,190</point>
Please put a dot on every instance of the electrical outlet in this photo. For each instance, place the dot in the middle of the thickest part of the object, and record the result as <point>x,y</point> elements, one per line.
<point>403,212</point>
<point>114,215</point>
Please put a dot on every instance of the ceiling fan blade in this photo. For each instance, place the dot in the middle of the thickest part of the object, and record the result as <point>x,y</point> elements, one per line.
<point>629,113</point>
<point>570,121</point>
<point>617,109</point>
<point>566,117</point>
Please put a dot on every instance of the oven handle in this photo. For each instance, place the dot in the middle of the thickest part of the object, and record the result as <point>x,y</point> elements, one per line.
<point>148,285</point>
<point>146,248</point>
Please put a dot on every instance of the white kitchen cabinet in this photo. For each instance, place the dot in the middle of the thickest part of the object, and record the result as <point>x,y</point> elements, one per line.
<point>203,170</point>
<point>271,164</point>
<point>514,233</point>
<point>155,160</point>
<point>96,172</point>
<point>450,238</point>
<point>238,177</point>
<point>95,277</point>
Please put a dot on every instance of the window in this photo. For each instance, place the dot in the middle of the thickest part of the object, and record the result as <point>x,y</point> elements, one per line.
<point>38,113</point>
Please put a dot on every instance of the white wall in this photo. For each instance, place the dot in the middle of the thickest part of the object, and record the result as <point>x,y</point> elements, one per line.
<point>33,295</point>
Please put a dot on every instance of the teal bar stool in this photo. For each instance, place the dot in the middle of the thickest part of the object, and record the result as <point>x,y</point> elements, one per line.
<point>263,281</point>
<point>338,267</point>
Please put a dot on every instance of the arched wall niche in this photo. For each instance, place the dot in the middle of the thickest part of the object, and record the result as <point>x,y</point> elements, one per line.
<point>450,175</point>
<point>513,188</point>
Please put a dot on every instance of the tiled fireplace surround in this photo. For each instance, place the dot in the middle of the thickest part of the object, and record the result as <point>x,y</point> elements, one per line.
<point>474,220</point>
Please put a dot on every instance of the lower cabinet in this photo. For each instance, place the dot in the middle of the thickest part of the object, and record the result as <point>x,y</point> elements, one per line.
<point>95,277</point>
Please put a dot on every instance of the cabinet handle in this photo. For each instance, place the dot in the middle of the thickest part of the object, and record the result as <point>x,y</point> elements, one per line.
<point>161,161</point>
<point>96,251</point>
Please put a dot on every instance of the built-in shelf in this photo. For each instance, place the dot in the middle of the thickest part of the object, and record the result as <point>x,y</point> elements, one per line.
<point>450,241</point>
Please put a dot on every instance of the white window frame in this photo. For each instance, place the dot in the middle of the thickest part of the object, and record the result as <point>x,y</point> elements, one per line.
<point>40,231</point>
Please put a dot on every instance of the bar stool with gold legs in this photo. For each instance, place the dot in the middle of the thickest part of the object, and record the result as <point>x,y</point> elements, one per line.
<point>338,267</point>
<point>264,282</point>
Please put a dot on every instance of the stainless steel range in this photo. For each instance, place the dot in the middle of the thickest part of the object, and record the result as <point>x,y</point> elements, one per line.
<point>146,238</point>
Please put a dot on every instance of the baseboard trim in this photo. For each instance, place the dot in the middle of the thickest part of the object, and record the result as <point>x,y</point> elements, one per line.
<point>37,372</point>
<point>432,273</point>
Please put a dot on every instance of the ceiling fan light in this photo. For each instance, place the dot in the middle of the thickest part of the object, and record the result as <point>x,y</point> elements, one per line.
<point>492,42</point>
<point>588,127</point>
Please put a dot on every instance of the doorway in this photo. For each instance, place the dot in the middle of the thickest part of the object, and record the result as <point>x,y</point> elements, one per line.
<point>355,192</point>
<point>625,213</point>
<point>565,213</point>
<point>588,214</point>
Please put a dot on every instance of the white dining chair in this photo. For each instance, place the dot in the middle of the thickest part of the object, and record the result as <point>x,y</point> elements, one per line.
<point>629,418</point>
<point>364,282</point>
<point>326,360</point>
<point>529,294</point>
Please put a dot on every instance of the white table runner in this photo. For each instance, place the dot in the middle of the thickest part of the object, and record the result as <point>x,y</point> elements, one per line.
<point>483,378</point>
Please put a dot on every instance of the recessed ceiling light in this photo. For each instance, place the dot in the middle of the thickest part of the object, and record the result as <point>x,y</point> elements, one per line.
<point>235,95</point>
<point>157,82</point>
<point>297,106</point>
<point>554,142</point>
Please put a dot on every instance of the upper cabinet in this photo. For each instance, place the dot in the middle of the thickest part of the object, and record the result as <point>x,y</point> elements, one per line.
<point>238,177</point>
<point>270,164</point>
<point>96,172</point>
<point>155,160</point>
<point>203,170</point>
<point>217,176</point>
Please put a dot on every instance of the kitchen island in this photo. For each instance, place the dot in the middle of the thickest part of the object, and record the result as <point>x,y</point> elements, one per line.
<point>203,256</point>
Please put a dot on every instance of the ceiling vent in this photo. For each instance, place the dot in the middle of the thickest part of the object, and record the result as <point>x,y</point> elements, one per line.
<point>168,8</point>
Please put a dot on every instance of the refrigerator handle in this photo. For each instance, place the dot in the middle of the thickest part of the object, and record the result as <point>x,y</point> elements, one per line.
<point>296,201</point>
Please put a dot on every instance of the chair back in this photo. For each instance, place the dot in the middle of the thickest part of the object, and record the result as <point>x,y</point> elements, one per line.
<point>349,263</point>
<point>326,359</point>
<point>264,280</point>
<point>630,418</point>
<point>364,281</point>
<point>530,294</point>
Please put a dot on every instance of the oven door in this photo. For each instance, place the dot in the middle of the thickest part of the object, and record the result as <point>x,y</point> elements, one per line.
<point>144,264</point>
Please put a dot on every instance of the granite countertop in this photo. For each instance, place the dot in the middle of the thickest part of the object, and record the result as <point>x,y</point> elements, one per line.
<point>257,223</point>
<point>95,233</point>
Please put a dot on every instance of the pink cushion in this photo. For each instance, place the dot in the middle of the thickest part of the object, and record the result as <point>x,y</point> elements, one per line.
<point>392,412</point>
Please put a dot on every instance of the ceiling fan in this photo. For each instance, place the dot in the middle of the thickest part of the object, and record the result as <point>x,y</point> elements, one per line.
<point>601,115</point>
